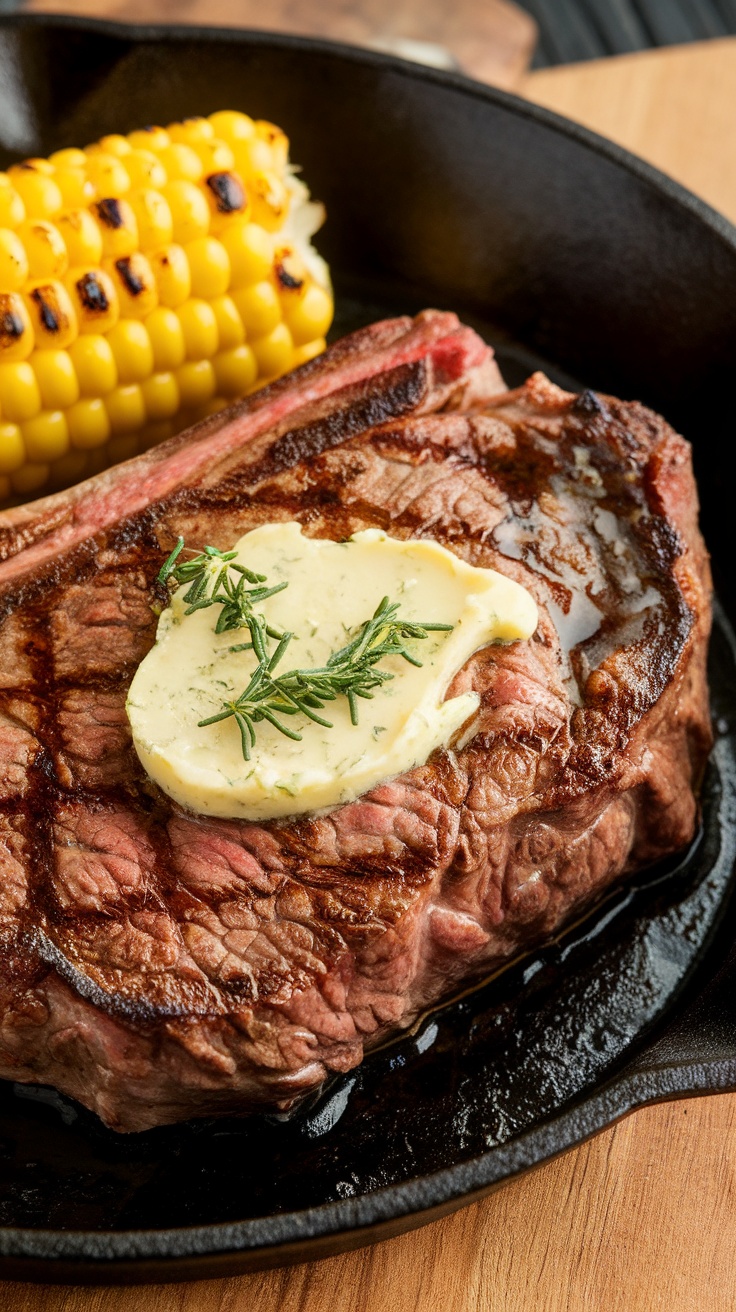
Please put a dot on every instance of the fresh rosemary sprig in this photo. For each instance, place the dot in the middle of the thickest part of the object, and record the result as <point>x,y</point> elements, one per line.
<point>350,672</point>
<point>210,586</point>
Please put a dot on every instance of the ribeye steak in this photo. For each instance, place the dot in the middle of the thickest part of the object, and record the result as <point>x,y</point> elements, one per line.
<point>159,965</point>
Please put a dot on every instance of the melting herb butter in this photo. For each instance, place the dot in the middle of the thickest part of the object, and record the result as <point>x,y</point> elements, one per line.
<point>293,674</point>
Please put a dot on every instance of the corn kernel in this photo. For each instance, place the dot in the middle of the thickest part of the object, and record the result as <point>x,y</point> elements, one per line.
<point>14,267</point>
<point>270,200</point>
<point>52,314</point>
<point>45,249</point>
<point>38,164</point>
<point>37,190</point>
<point>95,299</point>
<point>16,327</point>
<point>161,396</point>
<point>231,125</point>
<point>75,187</point>
<point>81,236</point>
<point>167,339</point>
<point>171,271</point>
<point>252,155</point>
<point>309,314</point>
<point>209,265</point>
<point>196,381</point>
<point>108,174</point>
<point>155,433</point>
<point>181,163</point>
<point>235,370</point>
<point>215,156</point>
<point>20,397</point>
<point>47,436</point>
<point>12,209</point>
<point>12,448</point>
<point>30,478</point>
<point>132,350</point>
<point>68,469</point>
<point>230,330</point>
<point>89,423</point>
<point>273,352</point>
<point>153,216</point>
<point>57,381</point>
<point>118,227</point>
<point>276,139</point>
<point>69,158</point>
<point>191,131</point>
<point>135,285</point>
<point>189,211</point>
<point>199,326</point>
<point>123,447</point>
<point>94,364</point>
<point>115,144</point>
<point>125,408</point>
<point>258,307</point>
<point>145,169</point>
<point>149,138</point>
<point>304,353</point>
<point>251,253</point>
<point>227,199</point>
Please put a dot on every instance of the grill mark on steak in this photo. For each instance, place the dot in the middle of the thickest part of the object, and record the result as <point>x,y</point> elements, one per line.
<point>402,390</point>
<point>158,964</point>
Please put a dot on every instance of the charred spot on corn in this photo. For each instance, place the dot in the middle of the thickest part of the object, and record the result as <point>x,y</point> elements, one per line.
<point>286,279</point>
<point>11,323</point>
<point>92,294</point>
<point>47,304</point>
<point>227,191</point>
<point>131,279</point>
<point>110,213</point>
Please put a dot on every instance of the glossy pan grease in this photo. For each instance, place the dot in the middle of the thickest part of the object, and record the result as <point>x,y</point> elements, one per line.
<point>438,191</point>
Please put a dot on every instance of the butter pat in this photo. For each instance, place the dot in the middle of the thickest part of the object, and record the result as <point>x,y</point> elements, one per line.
<point>333,588</point>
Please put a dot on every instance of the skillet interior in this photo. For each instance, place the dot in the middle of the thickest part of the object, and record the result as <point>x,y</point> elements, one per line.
<point>440,192</point>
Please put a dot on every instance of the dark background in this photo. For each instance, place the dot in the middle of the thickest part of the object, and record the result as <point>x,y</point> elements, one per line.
<point>570,30</point>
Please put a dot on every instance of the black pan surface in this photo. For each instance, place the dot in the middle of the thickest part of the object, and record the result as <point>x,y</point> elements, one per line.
<point>569,255</point>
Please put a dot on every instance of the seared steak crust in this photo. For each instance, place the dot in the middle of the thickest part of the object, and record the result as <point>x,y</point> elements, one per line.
<point>158,964</point>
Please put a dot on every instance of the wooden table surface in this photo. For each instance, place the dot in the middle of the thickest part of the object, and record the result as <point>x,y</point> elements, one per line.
<point>643,1217</point>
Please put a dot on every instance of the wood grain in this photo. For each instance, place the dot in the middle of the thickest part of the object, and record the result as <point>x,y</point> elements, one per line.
<point>643,1218</point>
<point>491,39</point>
<point>675,107</point>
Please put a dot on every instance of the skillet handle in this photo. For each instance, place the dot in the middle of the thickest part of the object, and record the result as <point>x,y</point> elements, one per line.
<point>697,1052</point>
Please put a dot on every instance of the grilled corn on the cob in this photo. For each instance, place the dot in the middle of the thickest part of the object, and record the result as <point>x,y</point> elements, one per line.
<point>145,282</point>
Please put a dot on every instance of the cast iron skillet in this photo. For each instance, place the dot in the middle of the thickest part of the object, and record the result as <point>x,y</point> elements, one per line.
<point>568,253</point>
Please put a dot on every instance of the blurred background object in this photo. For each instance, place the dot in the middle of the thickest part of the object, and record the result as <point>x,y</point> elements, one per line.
<point>493,40</point>
<point>572,30</point>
